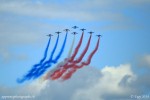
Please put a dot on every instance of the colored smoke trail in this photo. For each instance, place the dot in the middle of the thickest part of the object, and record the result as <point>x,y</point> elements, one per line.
<point>70,58</point>
<point>61,63</point>
<point>61,71</point>
<point>74,68</point>
<point>39,71</point>
<point>53,60</point>
<point>69,74</point>
<point>92,54</point>
<point>28,76</point>
<point>57,74</point>
<point>61,51</point>
<point>52,54</point>
<point>84,52</point>
<point>50,72</point>
<point>46,50</point>
<point>77,48</point>
<point>46,64</point>
<point>71,48</point>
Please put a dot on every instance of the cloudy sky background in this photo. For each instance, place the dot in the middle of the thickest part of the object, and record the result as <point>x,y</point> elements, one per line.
<point>119,69</point>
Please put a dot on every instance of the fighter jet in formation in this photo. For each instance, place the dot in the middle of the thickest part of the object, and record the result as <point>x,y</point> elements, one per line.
<point>49,35</point>
<point>99,35</point>
<point>74,33</point>
<point>58,32</point>
<point>91,32</point>
<point>74,27</point>
<point>66,30</point>
<point>82,29</point>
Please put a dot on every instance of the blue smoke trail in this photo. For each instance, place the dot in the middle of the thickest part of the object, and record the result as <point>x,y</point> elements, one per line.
<point>29,75</point>
<point>46,50</point>
<point>61,51</point>
<point>52,54</point>
<point>48,63</point>
<point>53,61</point>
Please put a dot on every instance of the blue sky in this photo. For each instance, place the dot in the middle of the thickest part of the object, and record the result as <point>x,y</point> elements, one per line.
<point>125,32</point>
<point>124,26</point>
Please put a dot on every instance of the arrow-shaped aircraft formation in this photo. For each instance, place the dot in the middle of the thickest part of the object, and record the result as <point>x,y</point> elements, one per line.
<point>65,69</point>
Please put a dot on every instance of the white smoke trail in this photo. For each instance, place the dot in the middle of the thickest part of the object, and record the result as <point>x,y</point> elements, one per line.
<point>47,75</point>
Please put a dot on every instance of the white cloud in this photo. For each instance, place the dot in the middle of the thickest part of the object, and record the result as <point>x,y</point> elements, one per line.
<point>84,11</point>
<point>112,82</point>
<point>51,89</point>
<point>17,31</point>
<point>98,10</point>
<point>43,10</point>
<point>145,60</point>
<point>108,84</point>
<point>27,31</point>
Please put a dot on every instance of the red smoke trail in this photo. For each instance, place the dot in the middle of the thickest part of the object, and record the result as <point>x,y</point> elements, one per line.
<point>59,65</point>
<point>69,59</point>
<point>58,73</point>
<point>76,49</point>
<point>66,66</point>
<point>69,74</point>
<point>84,52</point>
<point>75,67</point>
<point>81,57</point>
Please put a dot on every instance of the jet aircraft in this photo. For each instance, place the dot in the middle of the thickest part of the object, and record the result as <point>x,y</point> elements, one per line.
<point>49,35</point>
<point>82,29</point>
<point>74,27</point>
<point>74,33</point>
<point>58,32</point>
<point>99,35</point>
<point>91,32</point>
